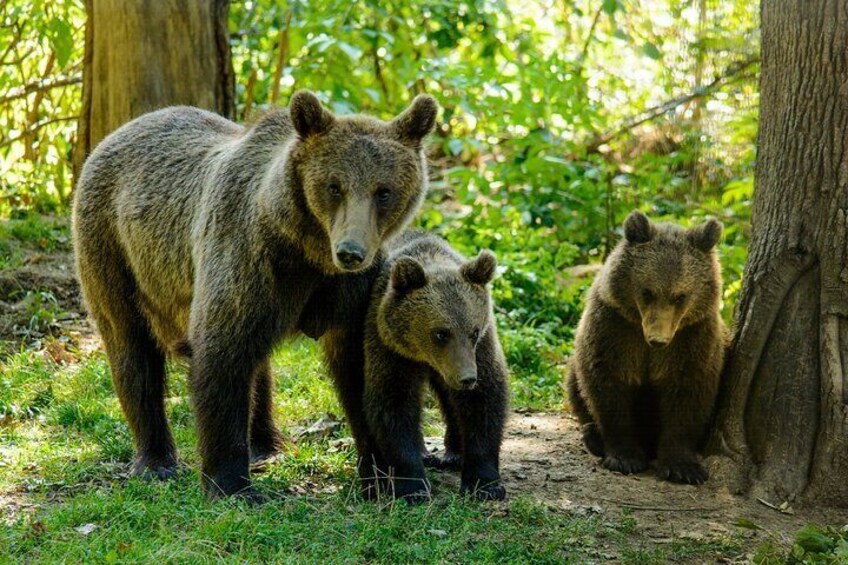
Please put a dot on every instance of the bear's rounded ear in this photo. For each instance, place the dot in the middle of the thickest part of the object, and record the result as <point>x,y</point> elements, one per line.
<point>638,228</point>
<point>407,275</point>
<point>308,115</point>
<point>417,121</point>
<point>480,270</point>
<point>705,236</point>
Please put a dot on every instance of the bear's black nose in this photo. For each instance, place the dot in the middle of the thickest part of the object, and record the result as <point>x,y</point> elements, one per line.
<point>468,381</point>
<point>657,343</point>
<point>350,254</point>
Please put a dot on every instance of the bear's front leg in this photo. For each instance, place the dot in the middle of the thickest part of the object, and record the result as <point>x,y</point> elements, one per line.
<point>684,416</point>
<point>482,416</point>
<point>613,400</point>
<point>221,386</point>
<point>393,410</point>
<point>452,459</point>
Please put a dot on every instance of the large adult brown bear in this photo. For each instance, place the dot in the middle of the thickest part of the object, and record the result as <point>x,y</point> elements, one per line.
<point>649,350</point>
<point>194,234</point>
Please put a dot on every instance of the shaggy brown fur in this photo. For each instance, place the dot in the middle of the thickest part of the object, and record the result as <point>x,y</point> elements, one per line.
<point>195,234</point>
<point>430,321</point>
<point>649,350</point>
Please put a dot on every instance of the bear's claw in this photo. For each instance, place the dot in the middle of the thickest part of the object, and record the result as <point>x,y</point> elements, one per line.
<point>492,490</point>
<point>150,470</point>
<point>626,465</point>
<point>687,472</point>
<point>449,461</point>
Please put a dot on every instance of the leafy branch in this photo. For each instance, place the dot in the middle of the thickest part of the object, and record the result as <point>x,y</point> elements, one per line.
<point>735,73</point>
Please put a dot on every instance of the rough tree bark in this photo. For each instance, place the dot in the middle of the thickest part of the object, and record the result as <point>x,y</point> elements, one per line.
<point>782,422</point>
<point>142,55</point>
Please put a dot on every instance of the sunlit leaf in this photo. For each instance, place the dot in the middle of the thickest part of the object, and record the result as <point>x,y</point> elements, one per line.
<point>651,51</point>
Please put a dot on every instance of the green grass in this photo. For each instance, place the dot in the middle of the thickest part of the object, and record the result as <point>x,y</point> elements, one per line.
<point>64,447</point>
<point>46,233</point>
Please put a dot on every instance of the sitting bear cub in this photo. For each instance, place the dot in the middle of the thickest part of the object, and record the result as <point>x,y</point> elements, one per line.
<point>430,321</point>
<point>649,350</point>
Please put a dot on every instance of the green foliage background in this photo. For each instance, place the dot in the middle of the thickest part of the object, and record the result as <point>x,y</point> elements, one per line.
<point>558,118</point>
<point>534,157</point>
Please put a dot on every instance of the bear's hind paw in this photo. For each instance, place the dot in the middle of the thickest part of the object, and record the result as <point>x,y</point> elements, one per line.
<point>593,440</point>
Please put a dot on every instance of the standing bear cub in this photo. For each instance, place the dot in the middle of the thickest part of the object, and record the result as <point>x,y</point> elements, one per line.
<point>195,235</point>
<point>430,321</point>
<point>649,350</point>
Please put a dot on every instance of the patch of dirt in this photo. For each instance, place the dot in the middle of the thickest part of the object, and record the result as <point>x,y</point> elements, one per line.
<point>543,457</point>
<point>40,300</point>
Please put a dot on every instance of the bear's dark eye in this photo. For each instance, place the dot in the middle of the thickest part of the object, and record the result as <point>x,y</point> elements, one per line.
<point>475,335</point>
<point>335,189</point>
<point>680,299</point>
<point>383,196</point>
<point>441,336</point>
<point>647,295</point>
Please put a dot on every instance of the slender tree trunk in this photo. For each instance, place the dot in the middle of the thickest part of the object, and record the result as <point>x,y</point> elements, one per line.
<point>141,55</point>
<point>782,424</point>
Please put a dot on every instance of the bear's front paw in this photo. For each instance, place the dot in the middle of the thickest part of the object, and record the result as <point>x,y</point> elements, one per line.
<point>625,464</point>
<point>688,472</point>
<point>483,490</point>
<point>450,461</point>
<point>413,491</point>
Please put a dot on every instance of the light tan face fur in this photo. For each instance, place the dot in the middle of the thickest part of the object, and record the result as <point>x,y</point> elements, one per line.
<point>661,315</point>
<point>665,276</point>
<point>362,178</point>
<point>438,314</point>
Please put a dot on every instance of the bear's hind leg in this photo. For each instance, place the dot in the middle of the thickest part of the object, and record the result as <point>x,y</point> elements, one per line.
<point>138,373</point>
<point>265,439</point>
<point>136,360</point>
<point>592,438</point>
<point>345,357</point>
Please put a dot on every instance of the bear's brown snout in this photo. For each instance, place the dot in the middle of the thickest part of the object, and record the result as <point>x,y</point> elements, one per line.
<point>659,325</point>
<point>354,235</point>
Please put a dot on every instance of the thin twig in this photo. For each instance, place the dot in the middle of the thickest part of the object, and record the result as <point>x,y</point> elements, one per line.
<point>636,506</point>
<point>32,115</point>
<point>35,127</point>
<point>378,72</point>
<point>248,94</point>
<point>282,55</point>
<point>12,44</point>
<point>585,51</point>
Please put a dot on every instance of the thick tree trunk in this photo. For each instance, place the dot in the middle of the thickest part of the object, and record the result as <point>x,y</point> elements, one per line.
<point>782,424</point>
<point>143,55</point>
